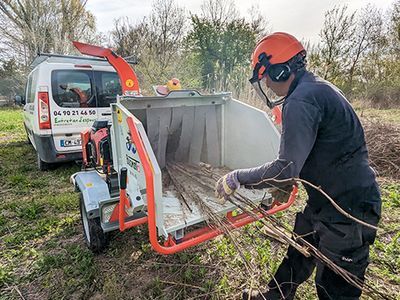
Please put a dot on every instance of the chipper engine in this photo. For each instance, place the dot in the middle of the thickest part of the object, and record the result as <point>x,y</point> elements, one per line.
<point>157,161</point>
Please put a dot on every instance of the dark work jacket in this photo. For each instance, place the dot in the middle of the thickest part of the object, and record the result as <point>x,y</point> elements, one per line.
<point>322,142</point>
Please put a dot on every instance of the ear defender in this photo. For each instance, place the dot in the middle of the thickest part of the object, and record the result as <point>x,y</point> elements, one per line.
<point>279,72</point>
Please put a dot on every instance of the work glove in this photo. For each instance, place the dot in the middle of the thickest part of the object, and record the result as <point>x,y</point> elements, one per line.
<point>226,186</point>
<point>281,194</point>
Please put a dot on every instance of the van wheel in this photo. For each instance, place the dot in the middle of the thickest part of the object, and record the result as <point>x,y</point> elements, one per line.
<point>96,239</point>
<point>42,166</point>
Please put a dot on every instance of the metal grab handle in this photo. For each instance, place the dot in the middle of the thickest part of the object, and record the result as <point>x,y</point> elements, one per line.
<point>123,198</point>
<point>123,176</point>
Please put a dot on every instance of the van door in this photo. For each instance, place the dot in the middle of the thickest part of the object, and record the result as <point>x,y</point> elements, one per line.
<point>29,107</point>
<point>108,86</point>
<point>73,107</point>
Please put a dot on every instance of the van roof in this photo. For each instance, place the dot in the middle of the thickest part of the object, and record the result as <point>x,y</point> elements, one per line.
<point>69,59</point>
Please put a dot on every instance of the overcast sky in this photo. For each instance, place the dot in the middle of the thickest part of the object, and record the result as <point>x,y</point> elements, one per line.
<point>302,18</point>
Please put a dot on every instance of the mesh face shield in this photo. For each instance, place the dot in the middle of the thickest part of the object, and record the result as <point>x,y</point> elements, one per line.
<point>266,94</point>
<point>263,68</point>
<point>263,93</point>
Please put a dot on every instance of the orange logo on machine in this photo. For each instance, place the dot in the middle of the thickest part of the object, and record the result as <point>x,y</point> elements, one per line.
<point>129,83</point>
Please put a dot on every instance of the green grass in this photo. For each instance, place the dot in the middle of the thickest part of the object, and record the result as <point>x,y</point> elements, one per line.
<point>43,255</point>
<point>11,125</point>
<point>391,116</point>
<point>385,253</point>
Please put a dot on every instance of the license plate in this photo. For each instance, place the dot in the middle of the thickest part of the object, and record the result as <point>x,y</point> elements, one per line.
<point>70,143</point>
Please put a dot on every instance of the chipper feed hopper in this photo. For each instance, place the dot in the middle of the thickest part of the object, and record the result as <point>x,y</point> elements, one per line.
<point>156,162</point>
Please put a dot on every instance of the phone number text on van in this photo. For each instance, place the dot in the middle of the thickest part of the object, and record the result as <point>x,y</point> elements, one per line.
<point>90,112</point>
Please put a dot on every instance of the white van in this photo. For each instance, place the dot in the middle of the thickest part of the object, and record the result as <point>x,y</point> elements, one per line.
<point>63,96</point>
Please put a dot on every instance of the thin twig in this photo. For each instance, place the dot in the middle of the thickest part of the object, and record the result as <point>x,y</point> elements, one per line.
<point>319,189</point>
<point>182,284</point>
<point>176,265</point>
<point>18,291</point>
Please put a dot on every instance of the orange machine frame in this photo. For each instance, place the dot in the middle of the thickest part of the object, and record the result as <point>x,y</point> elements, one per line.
<point>129,81</point>
<point>192,238</point>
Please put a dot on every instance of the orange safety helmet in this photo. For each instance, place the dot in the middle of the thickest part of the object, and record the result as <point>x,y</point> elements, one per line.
<point>271,57</point>
<point>280,46</point>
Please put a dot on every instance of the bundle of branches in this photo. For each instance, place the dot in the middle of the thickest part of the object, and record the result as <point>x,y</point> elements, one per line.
<point>383,141</point>
<point>205,178</point>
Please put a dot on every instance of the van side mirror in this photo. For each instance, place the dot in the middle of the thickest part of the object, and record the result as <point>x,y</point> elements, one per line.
<point>19,100</point>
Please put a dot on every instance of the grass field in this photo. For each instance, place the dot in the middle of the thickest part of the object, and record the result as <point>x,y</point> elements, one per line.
<point>43,255</point>
<point>386,115</point>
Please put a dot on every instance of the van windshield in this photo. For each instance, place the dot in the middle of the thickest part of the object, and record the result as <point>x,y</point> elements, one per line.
<point>84,88</point>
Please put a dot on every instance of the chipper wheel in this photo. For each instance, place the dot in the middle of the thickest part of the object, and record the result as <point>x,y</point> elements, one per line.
<point>96,239</point>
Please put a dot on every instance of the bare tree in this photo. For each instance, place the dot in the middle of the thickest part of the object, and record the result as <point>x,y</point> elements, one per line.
<point>167,32</point>
<point>156,41</point>
<point>367,33</point>
<point>129,39</point>
<point>338,28</point>
<point>32,26</point>
<point>258,21</point>
<point>219,11</point>
<point>394,28</point>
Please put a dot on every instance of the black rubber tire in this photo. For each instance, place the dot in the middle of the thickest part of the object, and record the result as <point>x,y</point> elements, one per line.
<point>96,239</point>
<point>42,166</point>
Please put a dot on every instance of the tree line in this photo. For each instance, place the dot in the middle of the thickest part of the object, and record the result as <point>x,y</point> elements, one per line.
<point>210,50</point>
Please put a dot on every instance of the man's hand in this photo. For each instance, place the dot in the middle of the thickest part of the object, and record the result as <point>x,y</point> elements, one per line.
<point>226,186</point>
<point>281,194</point>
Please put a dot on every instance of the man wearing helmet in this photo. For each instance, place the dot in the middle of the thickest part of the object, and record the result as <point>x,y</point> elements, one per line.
<point>323,143</point>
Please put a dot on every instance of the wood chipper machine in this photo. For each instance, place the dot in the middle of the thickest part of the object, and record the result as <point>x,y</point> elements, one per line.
<point>156,162</point>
